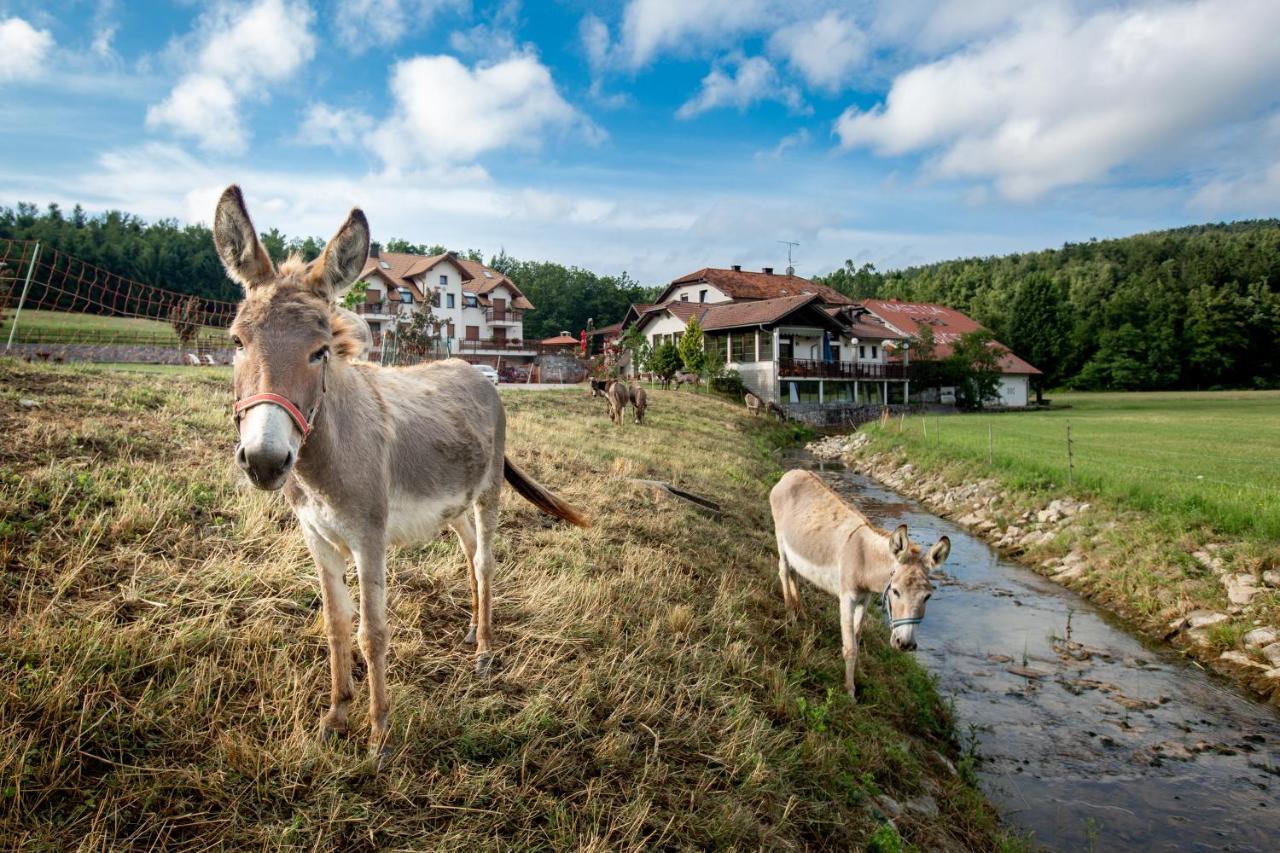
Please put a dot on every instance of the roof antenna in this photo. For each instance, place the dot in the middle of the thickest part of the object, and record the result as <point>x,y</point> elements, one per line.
<point>791,270</point>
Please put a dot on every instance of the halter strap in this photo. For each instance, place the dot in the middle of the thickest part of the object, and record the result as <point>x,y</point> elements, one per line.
<point>888,612</point>
<point>299,419</point>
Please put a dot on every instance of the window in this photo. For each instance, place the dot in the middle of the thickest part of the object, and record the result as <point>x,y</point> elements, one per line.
<point>448,300</point>
<point>448,330</point>
<point>702,296</point>
<point>444,281</point>
<point>800,392</point>
<point>469,300</point>
<point>875,356</point>
<point>744,346</point>
<point>488,274</point>
<point>785,348</point>
<point>684,297</point>
<point>473,333</point>
<point>406,296</point>
<point>835,352</point>
<point>862,352</point>
<point>719,344</point>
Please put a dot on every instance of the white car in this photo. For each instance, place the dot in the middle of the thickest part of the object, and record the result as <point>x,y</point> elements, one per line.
<point>489,373</point>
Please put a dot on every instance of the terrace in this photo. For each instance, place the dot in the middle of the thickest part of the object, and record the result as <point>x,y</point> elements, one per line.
<point>811,368</point>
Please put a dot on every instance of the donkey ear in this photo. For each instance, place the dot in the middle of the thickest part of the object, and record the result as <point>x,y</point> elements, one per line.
<point>344,257</point>
<point>939,552</point>
<point>899,544</point>
<point>237,243</point>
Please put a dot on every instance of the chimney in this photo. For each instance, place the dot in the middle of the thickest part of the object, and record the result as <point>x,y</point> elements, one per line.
<point>737,267</point>
<point>375,249</point>
<point>768,270</point>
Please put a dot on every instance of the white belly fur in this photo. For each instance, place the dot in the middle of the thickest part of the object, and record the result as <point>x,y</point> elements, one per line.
<point>410,520</point>
<point>826,578</point>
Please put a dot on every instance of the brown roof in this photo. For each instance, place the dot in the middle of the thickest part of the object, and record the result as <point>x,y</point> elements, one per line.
<point>481,283</point>
<point>561,340</point>
<point>400,268</point>
<point>611,329</point>
<point>948,325</point>
<point>740,284</point>
<point>714,316</point>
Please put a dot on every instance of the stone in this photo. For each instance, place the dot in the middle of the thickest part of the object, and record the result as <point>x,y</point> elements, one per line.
<point>1197,619</point>
<point>1271,577</point>
<point>1241,588</point>
<point>1241,659</point>
<point>1272,653</point>
<point>887,804</point>
<point>1260,637</point>
<point>28,403</point>
<point>925,806</point>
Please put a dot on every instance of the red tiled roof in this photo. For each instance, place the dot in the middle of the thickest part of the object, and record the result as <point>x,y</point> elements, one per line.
<point>740,284</point>
<point>611,329</point>
<point>729,315</point>
<point>482,284</point>
<point>948,325</point>
<point>400,268</point>
<point>560,340</point>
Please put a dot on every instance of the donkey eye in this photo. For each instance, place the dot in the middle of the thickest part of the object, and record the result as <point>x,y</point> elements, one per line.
<point>235,339</point>
<point>320,354</point>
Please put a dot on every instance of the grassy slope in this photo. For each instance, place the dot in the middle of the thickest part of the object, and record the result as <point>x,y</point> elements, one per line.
<point>1197,457</point>
<point>67,325</point>
<point>163,666</point>
<point>1144,526</point>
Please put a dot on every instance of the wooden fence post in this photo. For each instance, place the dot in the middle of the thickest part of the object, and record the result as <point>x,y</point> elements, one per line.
<point>1070,461</point>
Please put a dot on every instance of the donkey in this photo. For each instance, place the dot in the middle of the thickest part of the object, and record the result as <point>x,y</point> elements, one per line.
<point>367,456</point>
<point>639,401</point>
<point>754,403</point>
<point>836,548</point>
<point>618,397</point>
<point>687,378</point>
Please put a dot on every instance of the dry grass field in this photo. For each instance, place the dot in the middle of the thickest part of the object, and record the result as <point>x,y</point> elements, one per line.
<point>163,665</point>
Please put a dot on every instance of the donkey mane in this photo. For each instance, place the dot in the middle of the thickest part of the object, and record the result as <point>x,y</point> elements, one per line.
<point>292,294</point>
<point>915,549</point>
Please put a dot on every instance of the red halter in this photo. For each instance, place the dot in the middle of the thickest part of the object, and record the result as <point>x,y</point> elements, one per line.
<point>241,406</point>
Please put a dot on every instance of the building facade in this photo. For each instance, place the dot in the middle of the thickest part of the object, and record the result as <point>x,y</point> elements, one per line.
<point>480,310</point>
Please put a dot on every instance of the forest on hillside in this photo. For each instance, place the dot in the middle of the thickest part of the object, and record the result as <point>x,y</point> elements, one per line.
<point>1195,307</point>
<point>181,258</point>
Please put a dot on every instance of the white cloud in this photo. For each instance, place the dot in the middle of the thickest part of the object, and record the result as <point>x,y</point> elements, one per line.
<point>594,34</point>
<point>652,26</point>
<point>1065,100</point>
<point>23,49</point>
<point>363,24</point>
<point>755,79</point>
<point>824,50</point>
<point>444,112</point>
<point>333,126</point>
<point>238,49</point>
<point>491,39</point>
<point>798,139</point>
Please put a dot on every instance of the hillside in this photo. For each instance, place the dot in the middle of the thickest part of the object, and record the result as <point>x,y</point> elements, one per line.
<point>164,666</point>
<point>1189,308</point>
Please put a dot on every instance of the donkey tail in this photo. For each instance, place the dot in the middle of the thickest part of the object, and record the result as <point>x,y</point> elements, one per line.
<point>536,494</point>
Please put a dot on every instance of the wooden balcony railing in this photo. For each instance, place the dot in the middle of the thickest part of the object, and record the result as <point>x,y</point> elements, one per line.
<point>503,315</point>
<point>806,368</point>
<point>500,344</point>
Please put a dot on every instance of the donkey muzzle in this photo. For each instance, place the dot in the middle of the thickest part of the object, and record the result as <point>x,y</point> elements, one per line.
<point>268,446</point>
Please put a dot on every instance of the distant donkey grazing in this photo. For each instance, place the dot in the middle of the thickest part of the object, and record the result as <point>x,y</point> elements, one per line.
<point>639,401</point>
<point>618,397</point>
<point>368,456</point>
<point>687,378</point>
<point>835,547</point>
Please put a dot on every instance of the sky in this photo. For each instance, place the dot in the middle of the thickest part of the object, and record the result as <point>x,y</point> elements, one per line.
<point>654,137</point>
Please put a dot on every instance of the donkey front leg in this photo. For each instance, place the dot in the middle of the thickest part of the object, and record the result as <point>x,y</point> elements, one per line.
<point>371,567</point>
<point>338,611</point>
<point>486,527</point>
<point>852,609</point>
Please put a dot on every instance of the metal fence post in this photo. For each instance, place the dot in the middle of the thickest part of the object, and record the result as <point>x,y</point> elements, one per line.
<point>26,285</point>
<point>1070,462</point>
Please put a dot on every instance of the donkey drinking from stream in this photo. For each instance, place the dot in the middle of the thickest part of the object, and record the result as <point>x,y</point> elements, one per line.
<point>837,549</point>
<point>368,456</point>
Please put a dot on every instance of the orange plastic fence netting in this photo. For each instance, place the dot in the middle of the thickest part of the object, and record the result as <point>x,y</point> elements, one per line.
<point>60,282</point>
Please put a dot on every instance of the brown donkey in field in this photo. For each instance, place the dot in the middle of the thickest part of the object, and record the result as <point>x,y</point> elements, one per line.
<point>368,456</point>
<point>835,547</point>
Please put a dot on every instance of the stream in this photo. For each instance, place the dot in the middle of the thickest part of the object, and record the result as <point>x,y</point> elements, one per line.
<point>1089,737</point>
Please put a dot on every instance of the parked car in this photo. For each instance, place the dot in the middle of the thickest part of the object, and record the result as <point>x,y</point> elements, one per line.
<point>489,372</point>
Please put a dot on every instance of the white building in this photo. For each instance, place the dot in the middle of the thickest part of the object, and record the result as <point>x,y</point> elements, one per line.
<point>798,342</point>
<point>480,309</point>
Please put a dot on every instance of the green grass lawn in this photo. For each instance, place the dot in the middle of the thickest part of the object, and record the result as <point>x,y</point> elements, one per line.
<point>1201,457</point>
<point>73,327</point>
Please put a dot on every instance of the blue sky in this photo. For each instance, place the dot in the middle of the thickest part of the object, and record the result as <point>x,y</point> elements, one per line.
<point>655,136</point>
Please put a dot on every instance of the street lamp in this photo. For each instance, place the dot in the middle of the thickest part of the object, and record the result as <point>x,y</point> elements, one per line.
<point>906,373</point>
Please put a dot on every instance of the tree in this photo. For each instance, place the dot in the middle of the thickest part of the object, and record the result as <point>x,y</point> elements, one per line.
<point>1038,327</point>
<point>355,295</point>
<point>692,354</point>
<point>665,361</point>
<point>974,365</point>
<point>187,316</point>
<point>635,344</point>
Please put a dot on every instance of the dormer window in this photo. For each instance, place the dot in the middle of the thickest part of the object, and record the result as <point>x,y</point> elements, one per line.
<point>444,281</point>
<point>406,296</point>
<point>702,296</point>
<point>488,274</point>
<point>469,300</point>
<point>384,265</point>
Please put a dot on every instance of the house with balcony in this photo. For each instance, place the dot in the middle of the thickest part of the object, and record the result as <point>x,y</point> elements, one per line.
<point>802,344</point>
<point>480,310</point>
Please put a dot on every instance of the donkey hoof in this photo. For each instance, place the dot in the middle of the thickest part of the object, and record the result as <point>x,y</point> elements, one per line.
<point>470,639</point>
<point>381,757</point>
<point>485,665</point>
<point>328,734</point>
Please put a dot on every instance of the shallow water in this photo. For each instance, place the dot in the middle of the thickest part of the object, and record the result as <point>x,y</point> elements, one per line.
<point>1089,736</point>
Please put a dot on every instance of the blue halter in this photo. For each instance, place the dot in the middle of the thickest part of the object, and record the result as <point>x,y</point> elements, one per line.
<point>888,612</point>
